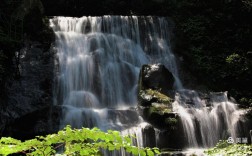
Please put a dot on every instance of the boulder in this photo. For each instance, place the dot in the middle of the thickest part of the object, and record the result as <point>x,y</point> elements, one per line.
<point>156,77</point>
<point>154,100</point>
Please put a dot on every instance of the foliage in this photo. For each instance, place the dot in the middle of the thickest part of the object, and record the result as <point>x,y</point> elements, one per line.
<point>215,37</point>
<point>223,148</point>
<point>83,141</point>
<point>246,101</point>
<point>233,58</point>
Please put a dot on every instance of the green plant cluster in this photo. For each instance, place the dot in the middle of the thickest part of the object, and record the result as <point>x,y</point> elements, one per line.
<point>226,149</point>
<point>83,141</point>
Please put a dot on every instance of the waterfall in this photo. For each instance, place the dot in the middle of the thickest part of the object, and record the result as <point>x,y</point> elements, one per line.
<point>205,126</point>
<point>99,60</point>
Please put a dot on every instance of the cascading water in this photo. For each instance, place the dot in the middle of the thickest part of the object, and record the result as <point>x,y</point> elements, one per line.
<point>99,60</point>
<point>205,126</point>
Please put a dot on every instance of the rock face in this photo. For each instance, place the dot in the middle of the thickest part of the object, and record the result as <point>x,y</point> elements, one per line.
<point>155,105</point>
<point>30,96</point>
<point>155,97</point>
<point>156,77</point>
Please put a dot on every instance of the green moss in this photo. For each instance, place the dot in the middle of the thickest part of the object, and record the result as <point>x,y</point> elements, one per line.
<point>160,97</point>
<point>159,109</point>
<point>171,121</point>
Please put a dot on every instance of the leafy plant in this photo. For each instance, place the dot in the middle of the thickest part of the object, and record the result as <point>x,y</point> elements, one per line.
<point>234,58</point>
<point>82,142</point>
<point>223,148</point>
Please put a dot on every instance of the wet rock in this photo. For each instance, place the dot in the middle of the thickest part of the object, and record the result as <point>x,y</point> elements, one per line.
<point>156,77</point>
<point>155,98</point>
<point>155,105</point>
<point>172,137</point>
<point>149,136</point>
<point>160,118</point>
<point>149,96</point>
<point>124,118</point>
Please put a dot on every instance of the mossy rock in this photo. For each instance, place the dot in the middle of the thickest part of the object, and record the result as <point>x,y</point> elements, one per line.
<point>161,98</point>
<point>160,116</point>
<point>149,96</point>
<point>159,109</point>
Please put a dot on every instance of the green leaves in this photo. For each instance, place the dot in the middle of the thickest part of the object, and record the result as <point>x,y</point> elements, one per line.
<point>233,58</point>
<point>223,148</point>
<point>84,142</point>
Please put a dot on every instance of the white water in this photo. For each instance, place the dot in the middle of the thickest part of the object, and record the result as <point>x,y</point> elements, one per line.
<point>99,60</point>
<point>214,123</point>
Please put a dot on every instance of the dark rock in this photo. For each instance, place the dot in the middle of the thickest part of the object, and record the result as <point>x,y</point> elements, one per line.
<point>172,138</point>
<point>159,119</point>
<point>149,136</point>
<point>155,106</point>
<point>155,98</point>
<point>149,96</point>
<point>40,122</point>
<point>31,93</point>
<point>156,77</point>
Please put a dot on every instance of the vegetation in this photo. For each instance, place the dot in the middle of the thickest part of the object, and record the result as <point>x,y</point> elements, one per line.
<point>156,101</point>
<point>159,109</point>
<point>161,98</point>
<point>70,141</point>
<point>224,148</point>
<point>214,38</point>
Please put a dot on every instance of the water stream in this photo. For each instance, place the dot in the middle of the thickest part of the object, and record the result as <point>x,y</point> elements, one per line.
<point>99,59</point>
